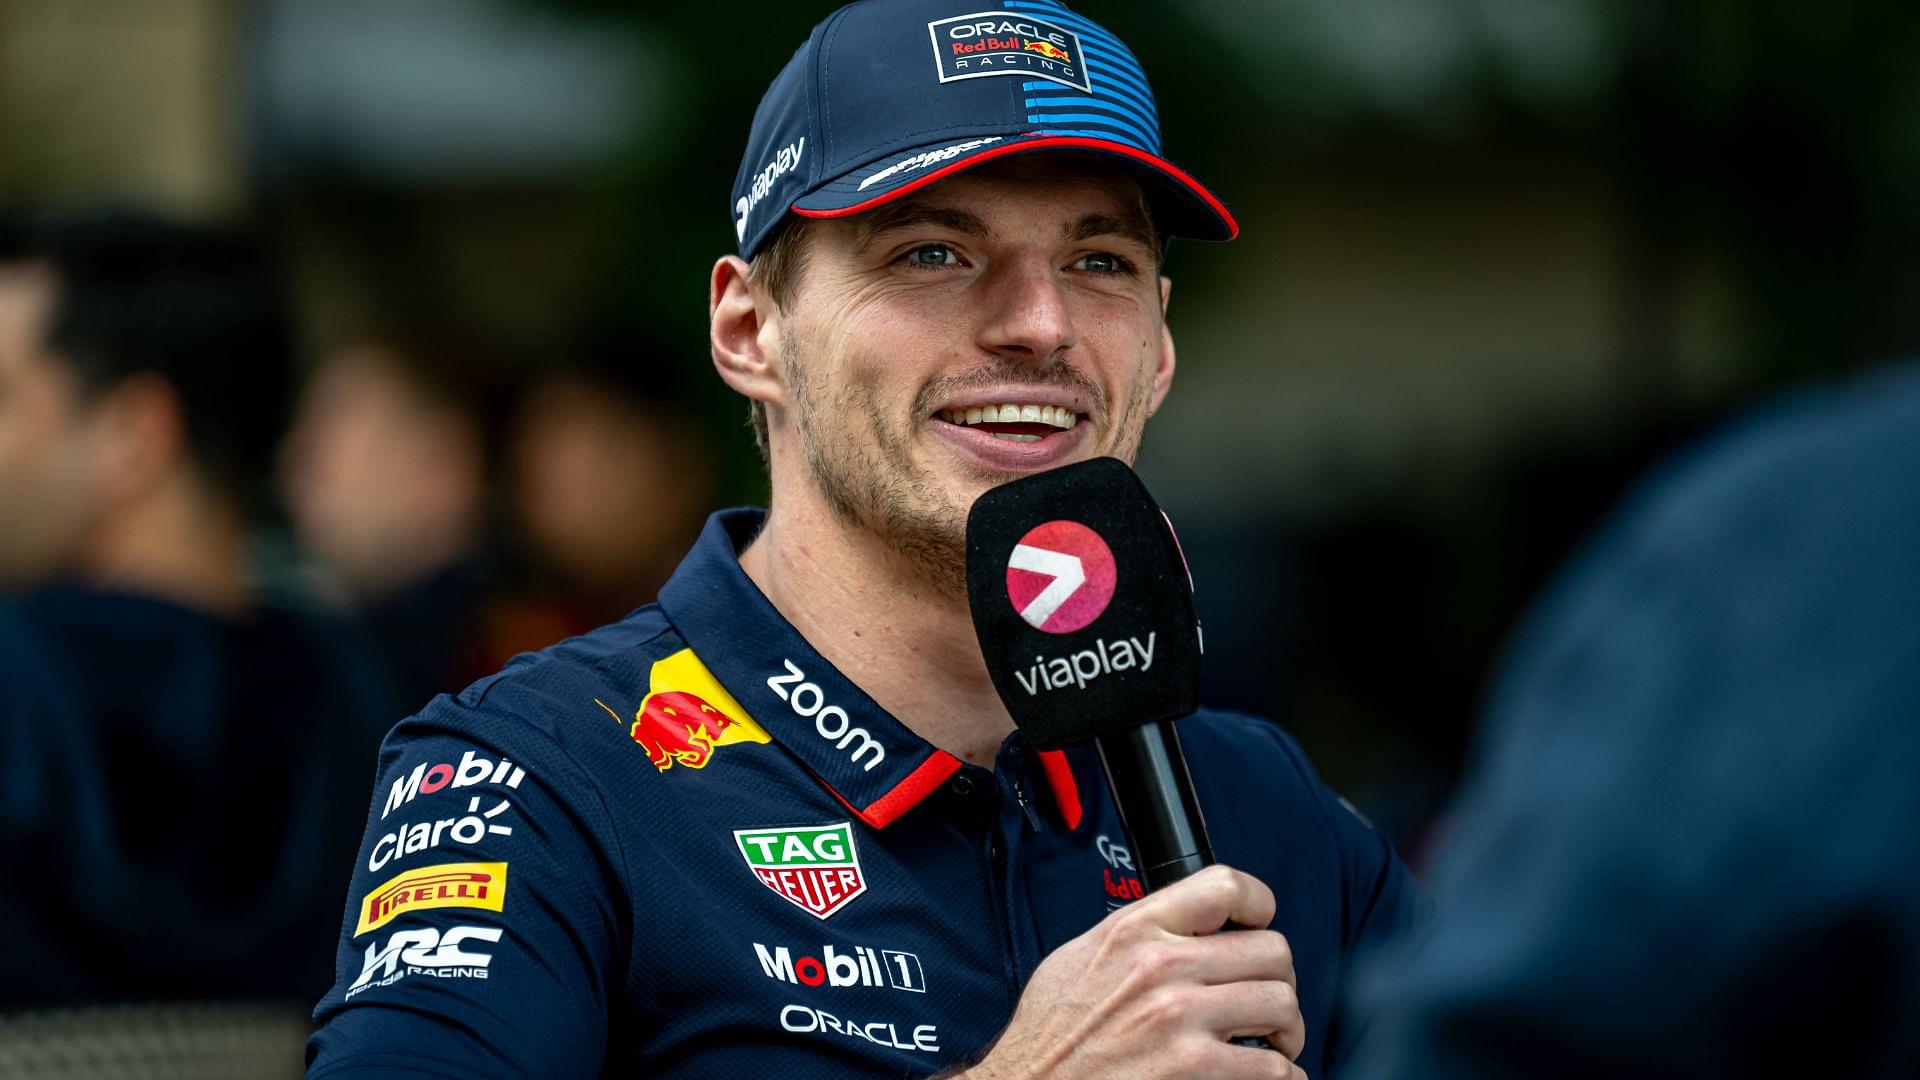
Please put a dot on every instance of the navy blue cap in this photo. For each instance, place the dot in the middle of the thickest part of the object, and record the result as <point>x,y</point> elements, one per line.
<point>888,96</point>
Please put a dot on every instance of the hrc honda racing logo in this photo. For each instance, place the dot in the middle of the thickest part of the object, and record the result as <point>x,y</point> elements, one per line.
<point>1007,43</point>
<point>431,951</point>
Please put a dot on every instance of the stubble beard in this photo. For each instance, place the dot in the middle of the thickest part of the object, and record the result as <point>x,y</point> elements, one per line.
<point>873,484</point>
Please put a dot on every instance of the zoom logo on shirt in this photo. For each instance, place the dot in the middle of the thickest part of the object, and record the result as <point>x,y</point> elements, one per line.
<point>830,721</point>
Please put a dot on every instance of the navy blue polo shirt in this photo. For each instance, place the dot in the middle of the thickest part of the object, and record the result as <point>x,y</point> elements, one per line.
<point>684,844</point>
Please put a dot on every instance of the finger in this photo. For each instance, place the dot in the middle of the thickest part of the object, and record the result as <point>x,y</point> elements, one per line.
<point>1232,956</point>
<point>1269,1010</point>
<point>1229,1060</point>
<point>1208,900</point>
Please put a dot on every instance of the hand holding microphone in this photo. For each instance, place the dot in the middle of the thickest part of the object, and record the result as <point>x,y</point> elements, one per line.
<point>1153,991</point>
<point>1084,609</point>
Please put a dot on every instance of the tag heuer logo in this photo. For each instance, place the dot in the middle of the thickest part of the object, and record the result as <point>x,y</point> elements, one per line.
<point>813,866</point>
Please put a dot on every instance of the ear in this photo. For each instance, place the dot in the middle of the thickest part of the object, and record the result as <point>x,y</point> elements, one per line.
<point>1163,369</point>
<point>139,434</point>
<point>743,329</point>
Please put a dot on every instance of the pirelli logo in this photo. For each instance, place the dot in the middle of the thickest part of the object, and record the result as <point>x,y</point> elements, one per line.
<point>481,885</point>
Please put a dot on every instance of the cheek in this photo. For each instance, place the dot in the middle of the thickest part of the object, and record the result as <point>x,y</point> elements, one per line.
<point>42,448</point>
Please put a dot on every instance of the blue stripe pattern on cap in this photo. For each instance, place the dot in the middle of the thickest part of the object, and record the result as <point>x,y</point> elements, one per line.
<point>1120,108</point>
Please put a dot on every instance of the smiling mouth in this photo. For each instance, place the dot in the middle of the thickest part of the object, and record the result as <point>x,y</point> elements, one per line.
<point>1014,423</point>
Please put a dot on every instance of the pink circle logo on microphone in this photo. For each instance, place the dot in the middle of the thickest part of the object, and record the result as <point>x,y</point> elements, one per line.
<point>1061,576</point>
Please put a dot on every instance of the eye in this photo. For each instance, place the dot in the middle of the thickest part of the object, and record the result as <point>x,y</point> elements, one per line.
<point>1103,262</point>
<point>932,256</point>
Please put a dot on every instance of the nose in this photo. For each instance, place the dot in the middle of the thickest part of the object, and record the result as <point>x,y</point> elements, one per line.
<point>1026,313</point>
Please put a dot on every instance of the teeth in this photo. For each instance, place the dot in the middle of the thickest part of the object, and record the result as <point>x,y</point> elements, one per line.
<point>1051,415</point>
<point>1016,438</point>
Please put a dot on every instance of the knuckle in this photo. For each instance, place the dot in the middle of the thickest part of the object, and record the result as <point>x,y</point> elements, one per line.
<point>1192,1052</point>
<point>1221,884</point>
<point>1164,1007</point>
<point>1157,962</point>
<point>1283,949</point>
<point>1132,926</point>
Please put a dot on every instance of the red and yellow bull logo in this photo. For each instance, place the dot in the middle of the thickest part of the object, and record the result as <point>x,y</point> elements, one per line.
<point>686,714</point>
<point>1047,49</point>
<point>464,885</point>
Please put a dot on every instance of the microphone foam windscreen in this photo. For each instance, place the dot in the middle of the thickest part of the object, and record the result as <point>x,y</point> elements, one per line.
<point>1082,603</point>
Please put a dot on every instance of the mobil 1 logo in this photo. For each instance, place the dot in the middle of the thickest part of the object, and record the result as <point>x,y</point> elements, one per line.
<point>858,966</point>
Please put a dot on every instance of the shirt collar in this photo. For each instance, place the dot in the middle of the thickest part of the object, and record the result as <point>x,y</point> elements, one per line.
<point>870,761</point>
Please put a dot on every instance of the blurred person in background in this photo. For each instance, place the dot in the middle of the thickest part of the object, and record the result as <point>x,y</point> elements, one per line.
<point>181,756</point>
<point>608,477</point>
<point>1690,846</point>
<point>386,481</point>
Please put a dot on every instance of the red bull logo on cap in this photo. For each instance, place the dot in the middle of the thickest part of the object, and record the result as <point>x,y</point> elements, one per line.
<point>686,715</point>
<point>989,43</point>
<point>1047,49</point>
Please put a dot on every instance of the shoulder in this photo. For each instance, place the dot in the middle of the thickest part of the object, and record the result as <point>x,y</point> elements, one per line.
<point>1778,550</point>
<point>1239,740</point>
<point>563,701</point>
<point>1258,759</point>
<point>1809,464</point>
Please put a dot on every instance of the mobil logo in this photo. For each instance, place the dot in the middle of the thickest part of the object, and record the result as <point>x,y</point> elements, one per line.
<point>862,966</point>
<point>1061,576</point>
<point>472,768</point>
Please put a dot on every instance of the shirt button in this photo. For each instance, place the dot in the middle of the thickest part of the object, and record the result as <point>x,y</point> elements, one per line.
<point>962,785</point>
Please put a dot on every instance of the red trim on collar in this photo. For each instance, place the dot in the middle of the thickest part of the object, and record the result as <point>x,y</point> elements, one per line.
<point>906,794</point>
<point>1066,791</point>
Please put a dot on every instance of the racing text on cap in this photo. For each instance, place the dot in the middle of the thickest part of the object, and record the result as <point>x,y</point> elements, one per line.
<point>1007,43</point>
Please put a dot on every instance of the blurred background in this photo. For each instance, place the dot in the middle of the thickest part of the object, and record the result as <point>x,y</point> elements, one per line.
<point>1497,256</point>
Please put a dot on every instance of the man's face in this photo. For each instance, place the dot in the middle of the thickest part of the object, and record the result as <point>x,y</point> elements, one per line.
<point>1003,322</point>
<point>44,450</point>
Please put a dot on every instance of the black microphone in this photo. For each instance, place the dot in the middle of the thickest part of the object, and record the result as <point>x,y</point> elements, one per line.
<point>1083,605</point>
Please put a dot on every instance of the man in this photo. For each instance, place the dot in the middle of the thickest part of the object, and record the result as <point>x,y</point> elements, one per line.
<point>175,747</point>
<point>778,825</point>
<point>385,478</point>
<point>1691,846</point>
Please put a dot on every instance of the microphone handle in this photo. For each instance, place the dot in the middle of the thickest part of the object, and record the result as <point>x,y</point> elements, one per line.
<point>1147,773</point>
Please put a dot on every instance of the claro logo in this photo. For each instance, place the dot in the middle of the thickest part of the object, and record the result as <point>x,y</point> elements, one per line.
<point>831,721</point>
